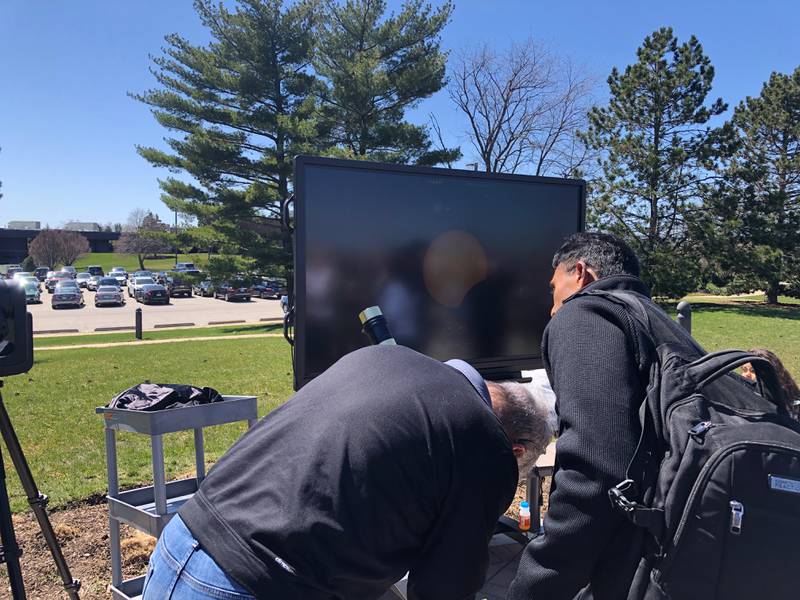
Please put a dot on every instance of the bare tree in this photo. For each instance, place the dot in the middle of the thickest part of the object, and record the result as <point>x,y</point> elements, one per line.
<point>73,244</point>
<point>524,107</point>
<point>54,246</point>
<point>144,235</point>
<point>45,248</point>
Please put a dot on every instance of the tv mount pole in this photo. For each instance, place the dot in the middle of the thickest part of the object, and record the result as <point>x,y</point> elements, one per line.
<point>9,551</point>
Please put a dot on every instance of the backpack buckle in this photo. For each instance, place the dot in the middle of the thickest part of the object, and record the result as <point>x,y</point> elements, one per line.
<point>621,495</point>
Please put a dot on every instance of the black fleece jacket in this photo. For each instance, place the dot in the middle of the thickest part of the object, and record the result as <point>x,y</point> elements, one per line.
<point>588,550</point>
<point>386,463</point>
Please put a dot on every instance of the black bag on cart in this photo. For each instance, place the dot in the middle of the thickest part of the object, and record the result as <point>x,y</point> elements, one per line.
<point>160,396</point>
<point>715,480</point>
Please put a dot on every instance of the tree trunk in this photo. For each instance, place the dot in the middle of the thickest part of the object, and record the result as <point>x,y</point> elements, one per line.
<point>772,292</point>
<point>141,261</point>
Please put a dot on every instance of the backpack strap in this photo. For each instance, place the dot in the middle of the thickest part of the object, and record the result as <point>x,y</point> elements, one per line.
<point>712,366</point>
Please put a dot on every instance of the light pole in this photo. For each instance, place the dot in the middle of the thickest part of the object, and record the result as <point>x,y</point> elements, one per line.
<point>474,165</point>
<point>176,238</point>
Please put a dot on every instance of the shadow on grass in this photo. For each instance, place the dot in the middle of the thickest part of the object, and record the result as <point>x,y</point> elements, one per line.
<point>244,328</point>
<point>741,308</point>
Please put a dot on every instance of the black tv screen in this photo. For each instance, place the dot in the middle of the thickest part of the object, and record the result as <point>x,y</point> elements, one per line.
<point>458,261</point>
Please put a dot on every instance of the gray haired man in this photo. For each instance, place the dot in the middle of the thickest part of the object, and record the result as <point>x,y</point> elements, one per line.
<point>389,462</point>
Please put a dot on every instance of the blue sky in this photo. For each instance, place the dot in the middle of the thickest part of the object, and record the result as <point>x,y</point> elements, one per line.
<point>68,128</point>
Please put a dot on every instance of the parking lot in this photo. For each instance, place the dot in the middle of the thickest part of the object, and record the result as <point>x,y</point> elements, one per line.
<point>186,312</point>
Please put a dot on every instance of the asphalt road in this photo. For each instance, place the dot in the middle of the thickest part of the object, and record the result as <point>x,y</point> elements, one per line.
<point>188,312</point>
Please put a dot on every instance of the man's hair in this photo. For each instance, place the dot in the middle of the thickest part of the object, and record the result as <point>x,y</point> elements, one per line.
<point>524,415</point>
<point>605,254</point>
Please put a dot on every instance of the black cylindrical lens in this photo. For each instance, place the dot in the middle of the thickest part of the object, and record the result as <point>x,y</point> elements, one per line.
<point>374,326</point>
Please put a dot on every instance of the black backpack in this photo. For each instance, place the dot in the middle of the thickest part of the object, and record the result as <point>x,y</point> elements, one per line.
<point>715,480</point>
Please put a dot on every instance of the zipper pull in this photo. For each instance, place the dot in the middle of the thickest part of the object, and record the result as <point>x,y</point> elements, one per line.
<point>699,431</point>
<point>737,514</point>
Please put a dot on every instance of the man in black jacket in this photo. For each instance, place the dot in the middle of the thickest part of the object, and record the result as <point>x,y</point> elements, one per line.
<point>388,462</point>
<point>597,360</point>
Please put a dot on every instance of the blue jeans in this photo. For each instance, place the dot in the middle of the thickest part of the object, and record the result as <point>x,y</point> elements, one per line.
<point>180,569</point>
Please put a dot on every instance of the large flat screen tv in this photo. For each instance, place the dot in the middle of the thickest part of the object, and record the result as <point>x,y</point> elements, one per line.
<point>459,261</point>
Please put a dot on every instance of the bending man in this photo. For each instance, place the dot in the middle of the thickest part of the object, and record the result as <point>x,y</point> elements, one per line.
<point>388,462</point>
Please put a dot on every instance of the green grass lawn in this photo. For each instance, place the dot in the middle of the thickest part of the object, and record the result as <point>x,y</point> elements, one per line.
<point>161,334</point>
<point>52,408</point>
<point>108,260</point>
<point>720,323</point>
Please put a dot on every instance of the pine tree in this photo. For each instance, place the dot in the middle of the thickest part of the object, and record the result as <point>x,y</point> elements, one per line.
<point>659,156</point>
<point>375,67</point>
<point>756,214</point>
<point>239,109</point>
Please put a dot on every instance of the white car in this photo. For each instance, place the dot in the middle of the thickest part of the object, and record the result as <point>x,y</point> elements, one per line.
<point>136,283</point>
<point>120,274</point>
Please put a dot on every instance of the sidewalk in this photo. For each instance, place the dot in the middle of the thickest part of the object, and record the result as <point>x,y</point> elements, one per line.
<point>205,338</point>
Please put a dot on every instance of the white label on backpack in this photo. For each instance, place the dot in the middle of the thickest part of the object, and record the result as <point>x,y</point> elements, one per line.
<point>784,485</point>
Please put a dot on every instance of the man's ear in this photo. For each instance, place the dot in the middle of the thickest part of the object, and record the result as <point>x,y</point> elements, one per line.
<point>583,274</point>
<point>518,450</point>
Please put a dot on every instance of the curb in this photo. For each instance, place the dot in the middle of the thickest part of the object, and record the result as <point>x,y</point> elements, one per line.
<point>227,322</point>
<point>121,328</point>
<point>46,331</point>
<point>164,325</point>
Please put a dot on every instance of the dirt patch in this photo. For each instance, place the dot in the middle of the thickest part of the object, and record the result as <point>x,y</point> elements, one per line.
<point>83,534</point>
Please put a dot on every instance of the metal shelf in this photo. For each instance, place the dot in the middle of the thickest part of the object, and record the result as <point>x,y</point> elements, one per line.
<point>137,507</point>
<point>150,508</point>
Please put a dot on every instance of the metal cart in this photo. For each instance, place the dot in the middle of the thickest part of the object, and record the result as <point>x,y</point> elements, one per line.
<point>150,508</point>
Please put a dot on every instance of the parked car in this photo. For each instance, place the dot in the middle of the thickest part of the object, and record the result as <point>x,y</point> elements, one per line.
<point>152,293</point>
<point>203,288</point>
<point>93,281</point>
<point>32,293</point>
<point>120,274</point>
<point>285,304</point>
<point>95,270</point>
<point>51,283</point>
<point>30,279</point>
<point>82,279</point>
<point>41,273</point>
<point>18,276</point>
<point>185,266</point>
<point>107,281</point>
<point>71,270</point>
<point>109,294</point>
<point>161,277</point>
<point>67,293</point>
<point>142,274</point>
<point>179,286</point>
<point>11,270</point>
<point>235,290</point>
<point>135,282</point>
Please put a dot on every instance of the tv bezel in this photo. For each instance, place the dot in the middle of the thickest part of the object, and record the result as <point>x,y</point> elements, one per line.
<point>489,368</point>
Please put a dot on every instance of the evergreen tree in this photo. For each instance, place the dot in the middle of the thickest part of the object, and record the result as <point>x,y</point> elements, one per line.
<point>755,217</point>
<point>375,67</point>
<point>659,156</point>
<point>239,108</point>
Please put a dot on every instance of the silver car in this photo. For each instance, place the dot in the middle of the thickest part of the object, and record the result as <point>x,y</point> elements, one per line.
<point>136,283</point>
<point>109,294</point>
<point>83,279</point>
<point>67,293</point>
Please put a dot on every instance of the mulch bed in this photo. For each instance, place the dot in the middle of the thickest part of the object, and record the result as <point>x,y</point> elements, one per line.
<point>83,534</point>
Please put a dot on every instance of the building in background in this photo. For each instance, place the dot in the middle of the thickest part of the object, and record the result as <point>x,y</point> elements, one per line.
<point>34,225</point>
<point>82,226</point>
<point>14,242</point>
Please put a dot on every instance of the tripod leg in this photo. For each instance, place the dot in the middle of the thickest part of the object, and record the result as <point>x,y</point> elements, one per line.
<point>37,501</point>
<point>11,551</point>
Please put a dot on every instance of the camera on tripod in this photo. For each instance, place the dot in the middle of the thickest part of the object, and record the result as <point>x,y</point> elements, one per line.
<point>16,331</point>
